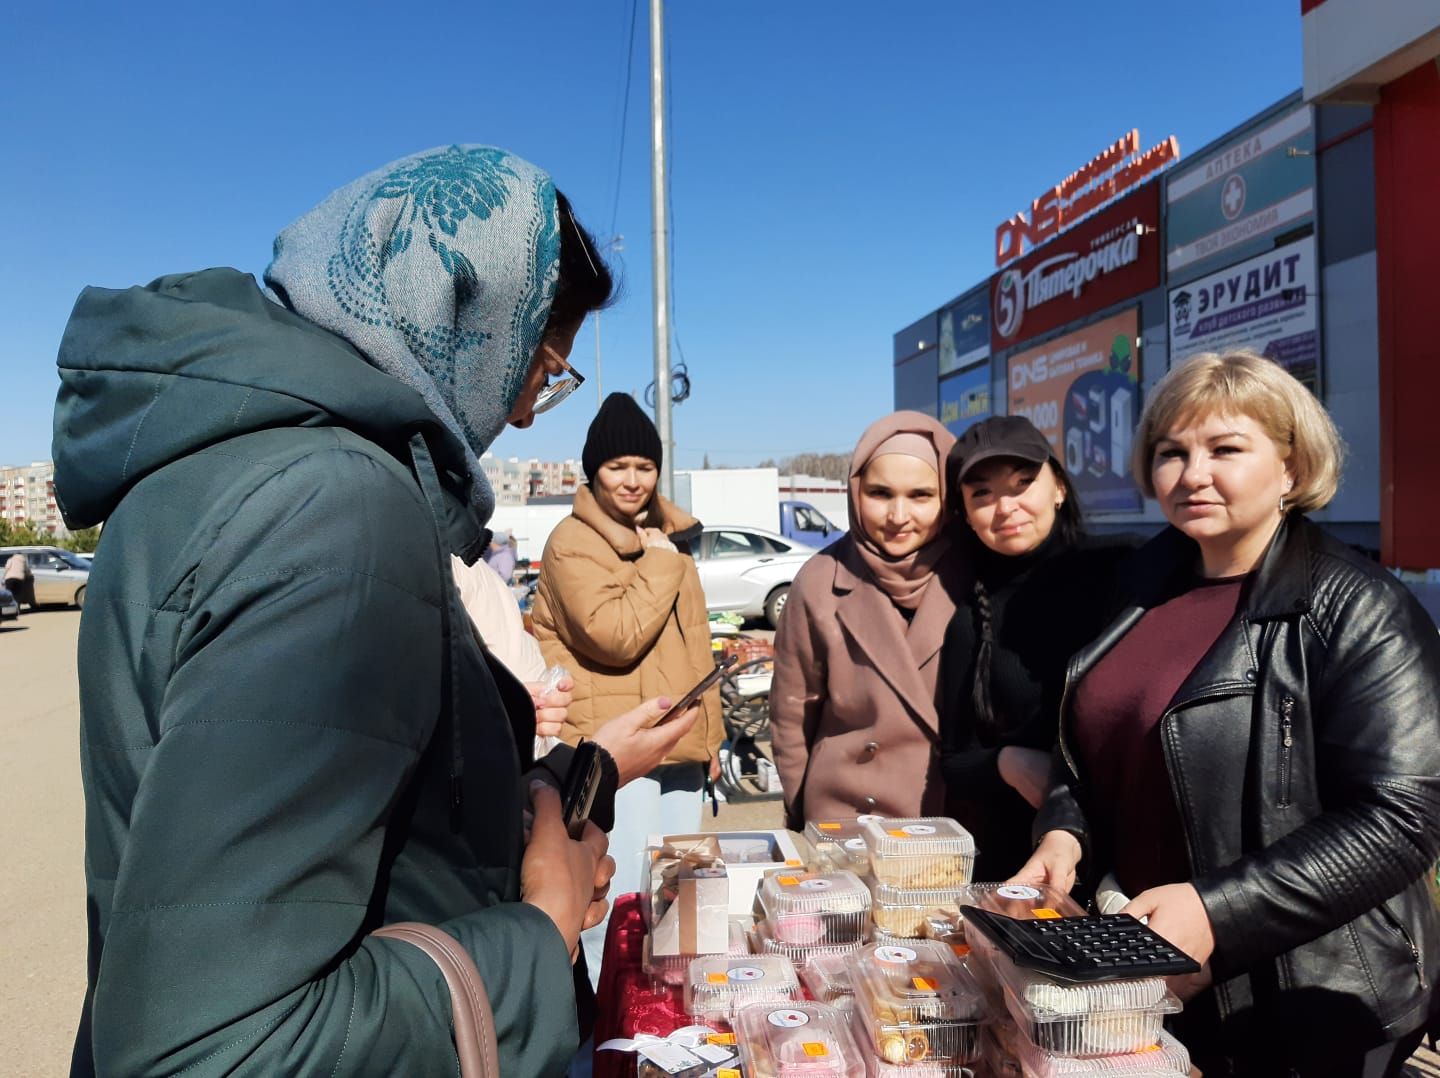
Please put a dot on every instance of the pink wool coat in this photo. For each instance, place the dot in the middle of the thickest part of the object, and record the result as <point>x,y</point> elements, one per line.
<point>853,702</point>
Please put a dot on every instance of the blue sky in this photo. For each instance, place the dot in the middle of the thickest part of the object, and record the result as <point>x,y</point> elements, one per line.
<point>838,168</point>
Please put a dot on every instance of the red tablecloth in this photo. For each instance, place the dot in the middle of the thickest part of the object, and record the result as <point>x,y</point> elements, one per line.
<point>626,1004</point>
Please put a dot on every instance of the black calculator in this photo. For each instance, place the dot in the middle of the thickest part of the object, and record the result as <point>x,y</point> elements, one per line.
<point>1110,947</point>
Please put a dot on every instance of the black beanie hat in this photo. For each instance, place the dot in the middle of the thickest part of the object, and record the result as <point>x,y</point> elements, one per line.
<point>620,429</point>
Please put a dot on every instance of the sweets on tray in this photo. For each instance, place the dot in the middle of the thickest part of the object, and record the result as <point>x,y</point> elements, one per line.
<point>918,1002</point>
<point>716,985</point>
<point>816,907</point>
<point>920,853</point>
<point>802,1040</point>
<point>901,911</point>
<point>764,942</point>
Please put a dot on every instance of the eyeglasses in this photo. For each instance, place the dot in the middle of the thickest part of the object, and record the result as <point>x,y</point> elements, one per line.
<point>553,394</point>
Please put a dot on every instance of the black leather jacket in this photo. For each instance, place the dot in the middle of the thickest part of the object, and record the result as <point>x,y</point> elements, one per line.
<point>1304,757</point>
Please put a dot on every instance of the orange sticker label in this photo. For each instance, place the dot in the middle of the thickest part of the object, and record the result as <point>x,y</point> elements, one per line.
<point>786,881</point>
<point>1044,914</point>
<point>815,1049</point>
<point>960,949</point>
<point>897,834</point>
<point>721,1038</point>
<point>829,827</point>
<point>792,863</point>
<point>716,978</point>
<point>727,1072</point>
<point>1151,1048</point>
<point>924,984</point>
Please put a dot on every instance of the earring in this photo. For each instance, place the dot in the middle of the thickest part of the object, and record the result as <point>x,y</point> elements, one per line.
<point>1282,505</point>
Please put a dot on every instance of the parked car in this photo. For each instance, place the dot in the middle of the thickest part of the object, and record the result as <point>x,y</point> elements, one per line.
<point>60,576</point>
<point>803,522</point>
<point>9,605</point>
<point>748,570</point>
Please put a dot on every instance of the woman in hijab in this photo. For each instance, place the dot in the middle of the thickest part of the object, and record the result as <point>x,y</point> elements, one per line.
<point>853,703</point>
<point>289,734</point>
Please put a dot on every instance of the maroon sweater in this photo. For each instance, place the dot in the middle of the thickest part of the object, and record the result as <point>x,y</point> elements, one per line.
<point>1135,824</point>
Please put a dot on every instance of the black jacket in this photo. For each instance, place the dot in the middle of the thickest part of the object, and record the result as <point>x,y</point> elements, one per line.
<point>1304,757</point>
<point>1043,607</point>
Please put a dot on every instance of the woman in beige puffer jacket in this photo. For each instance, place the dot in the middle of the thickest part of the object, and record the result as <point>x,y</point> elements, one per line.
<point>621,607</point>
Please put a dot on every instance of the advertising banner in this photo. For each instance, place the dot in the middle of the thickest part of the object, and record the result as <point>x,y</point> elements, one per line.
<point>1083,391</point>
<point>965,399</point>
<point>965,331</point>
<point>1267,304</point>
<point>1106,259</point>
<point>1252,186</point>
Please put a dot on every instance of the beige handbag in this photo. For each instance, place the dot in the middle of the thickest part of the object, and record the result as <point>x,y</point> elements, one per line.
<point>469,1004</point>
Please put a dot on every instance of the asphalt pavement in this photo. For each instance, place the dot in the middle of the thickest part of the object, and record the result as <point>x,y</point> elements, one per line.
<point>42,886</point>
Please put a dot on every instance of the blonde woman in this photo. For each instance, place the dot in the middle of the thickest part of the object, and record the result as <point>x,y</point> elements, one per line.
<point>1252,748</point>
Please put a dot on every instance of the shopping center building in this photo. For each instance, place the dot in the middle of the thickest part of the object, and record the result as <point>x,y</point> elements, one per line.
<point>1306,233</point>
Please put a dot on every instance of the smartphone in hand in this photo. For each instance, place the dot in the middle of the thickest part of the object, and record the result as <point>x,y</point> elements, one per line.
<point>582,782</point>
<point>687,701</point>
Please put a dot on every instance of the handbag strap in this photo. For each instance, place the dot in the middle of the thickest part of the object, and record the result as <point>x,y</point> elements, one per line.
<point>469,1003</point>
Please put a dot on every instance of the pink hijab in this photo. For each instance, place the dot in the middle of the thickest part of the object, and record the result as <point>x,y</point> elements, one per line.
<point>911,434</point>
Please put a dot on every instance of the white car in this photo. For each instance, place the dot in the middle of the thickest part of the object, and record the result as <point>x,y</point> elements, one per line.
<point>60,576</point>
<point>748,570</point>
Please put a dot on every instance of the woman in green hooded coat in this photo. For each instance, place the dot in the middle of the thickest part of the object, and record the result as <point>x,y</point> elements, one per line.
<point>289,733</point>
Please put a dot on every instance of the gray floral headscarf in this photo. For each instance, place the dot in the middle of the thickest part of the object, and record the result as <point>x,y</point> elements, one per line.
<point>440,268</point>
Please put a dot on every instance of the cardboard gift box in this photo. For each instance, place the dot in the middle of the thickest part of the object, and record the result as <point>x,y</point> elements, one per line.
<point>689,898</point>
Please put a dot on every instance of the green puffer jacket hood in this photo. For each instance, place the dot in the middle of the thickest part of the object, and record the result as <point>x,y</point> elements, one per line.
<point>150,375</point>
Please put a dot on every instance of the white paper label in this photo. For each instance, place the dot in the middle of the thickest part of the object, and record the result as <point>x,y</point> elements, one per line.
<point>856,844</point>
<point>918,829</point>
<point>671,1058</point>
<point>895,954</point>
<point>815,885</point>
<point>713,1053</point>
<point>746,974</point>
<point>871,818</point>
<point>1018,891</point>
<point>789,1019</point>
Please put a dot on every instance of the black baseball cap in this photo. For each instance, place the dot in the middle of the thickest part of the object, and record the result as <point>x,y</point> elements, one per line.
<point>998,436</point>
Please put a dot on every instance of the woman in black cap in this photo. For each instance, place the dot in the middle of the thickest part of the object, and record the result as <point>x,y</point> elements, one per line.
<point>1040,592</point>
<point>620,605</point>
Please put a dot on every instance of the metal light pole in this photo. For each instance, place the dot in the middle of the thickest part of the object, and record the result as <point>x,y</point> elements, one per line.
<point>616,243</point>
<point>660,237</point>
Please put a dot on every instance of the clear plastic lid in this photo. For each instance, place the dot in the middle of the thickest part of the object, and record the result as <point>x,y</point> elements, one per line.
<point>812,1040</point>
<point>931,853</point>
<point>766,942</point>
<point>818,831</point>
<point>905,912</point>
<point>840,844</point>
<point>717,984</point>
<point>1098,1019</point>
<point>827,977</point>
<point>1161,1060</point>
<point>1024,901</point>
<point>783,894</point>
<point>1045,999</point>
<point>918,1002</point>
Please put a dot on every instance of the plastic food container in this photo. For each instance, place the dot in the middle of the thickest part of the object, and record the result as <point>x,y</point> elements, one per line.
<point>716,985</point>
<point>803,1040</point>
<point>840,844</point>
<point>1096,1019</point>
<point>672,969</point>
<point>901,911</point>
<point>1013,900</point>
<point>827,978</point>
<point>708,1061</point>
<point>1168,1057</point>
<point>816,907</point>
<point>918,1003</point>
<point>923,853</point>
<point>800,953</point>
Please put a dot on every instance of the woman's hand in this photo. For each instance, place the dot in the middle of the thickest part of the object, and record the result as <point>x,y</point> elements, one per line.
<point>1026,771</point>
<point>1053,863</point>
<point>636,744</point>
<point>714,769</point>
<point>654,538</point>
<point>551,705</point>
<point>565,879</point>
<point>1176,912</point>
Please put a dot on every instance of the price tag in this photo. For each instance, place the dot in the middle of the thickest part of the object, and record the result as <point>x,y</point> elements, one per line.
<point>786,881</point>
<point>717,978</point>
<point>728,1072</point>
<point>829,827</point>
<point>924,984</point>
<point>1045,914</point>
<point>721,1038</point>
<point>815,1050</point>
<point>793,863</point>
